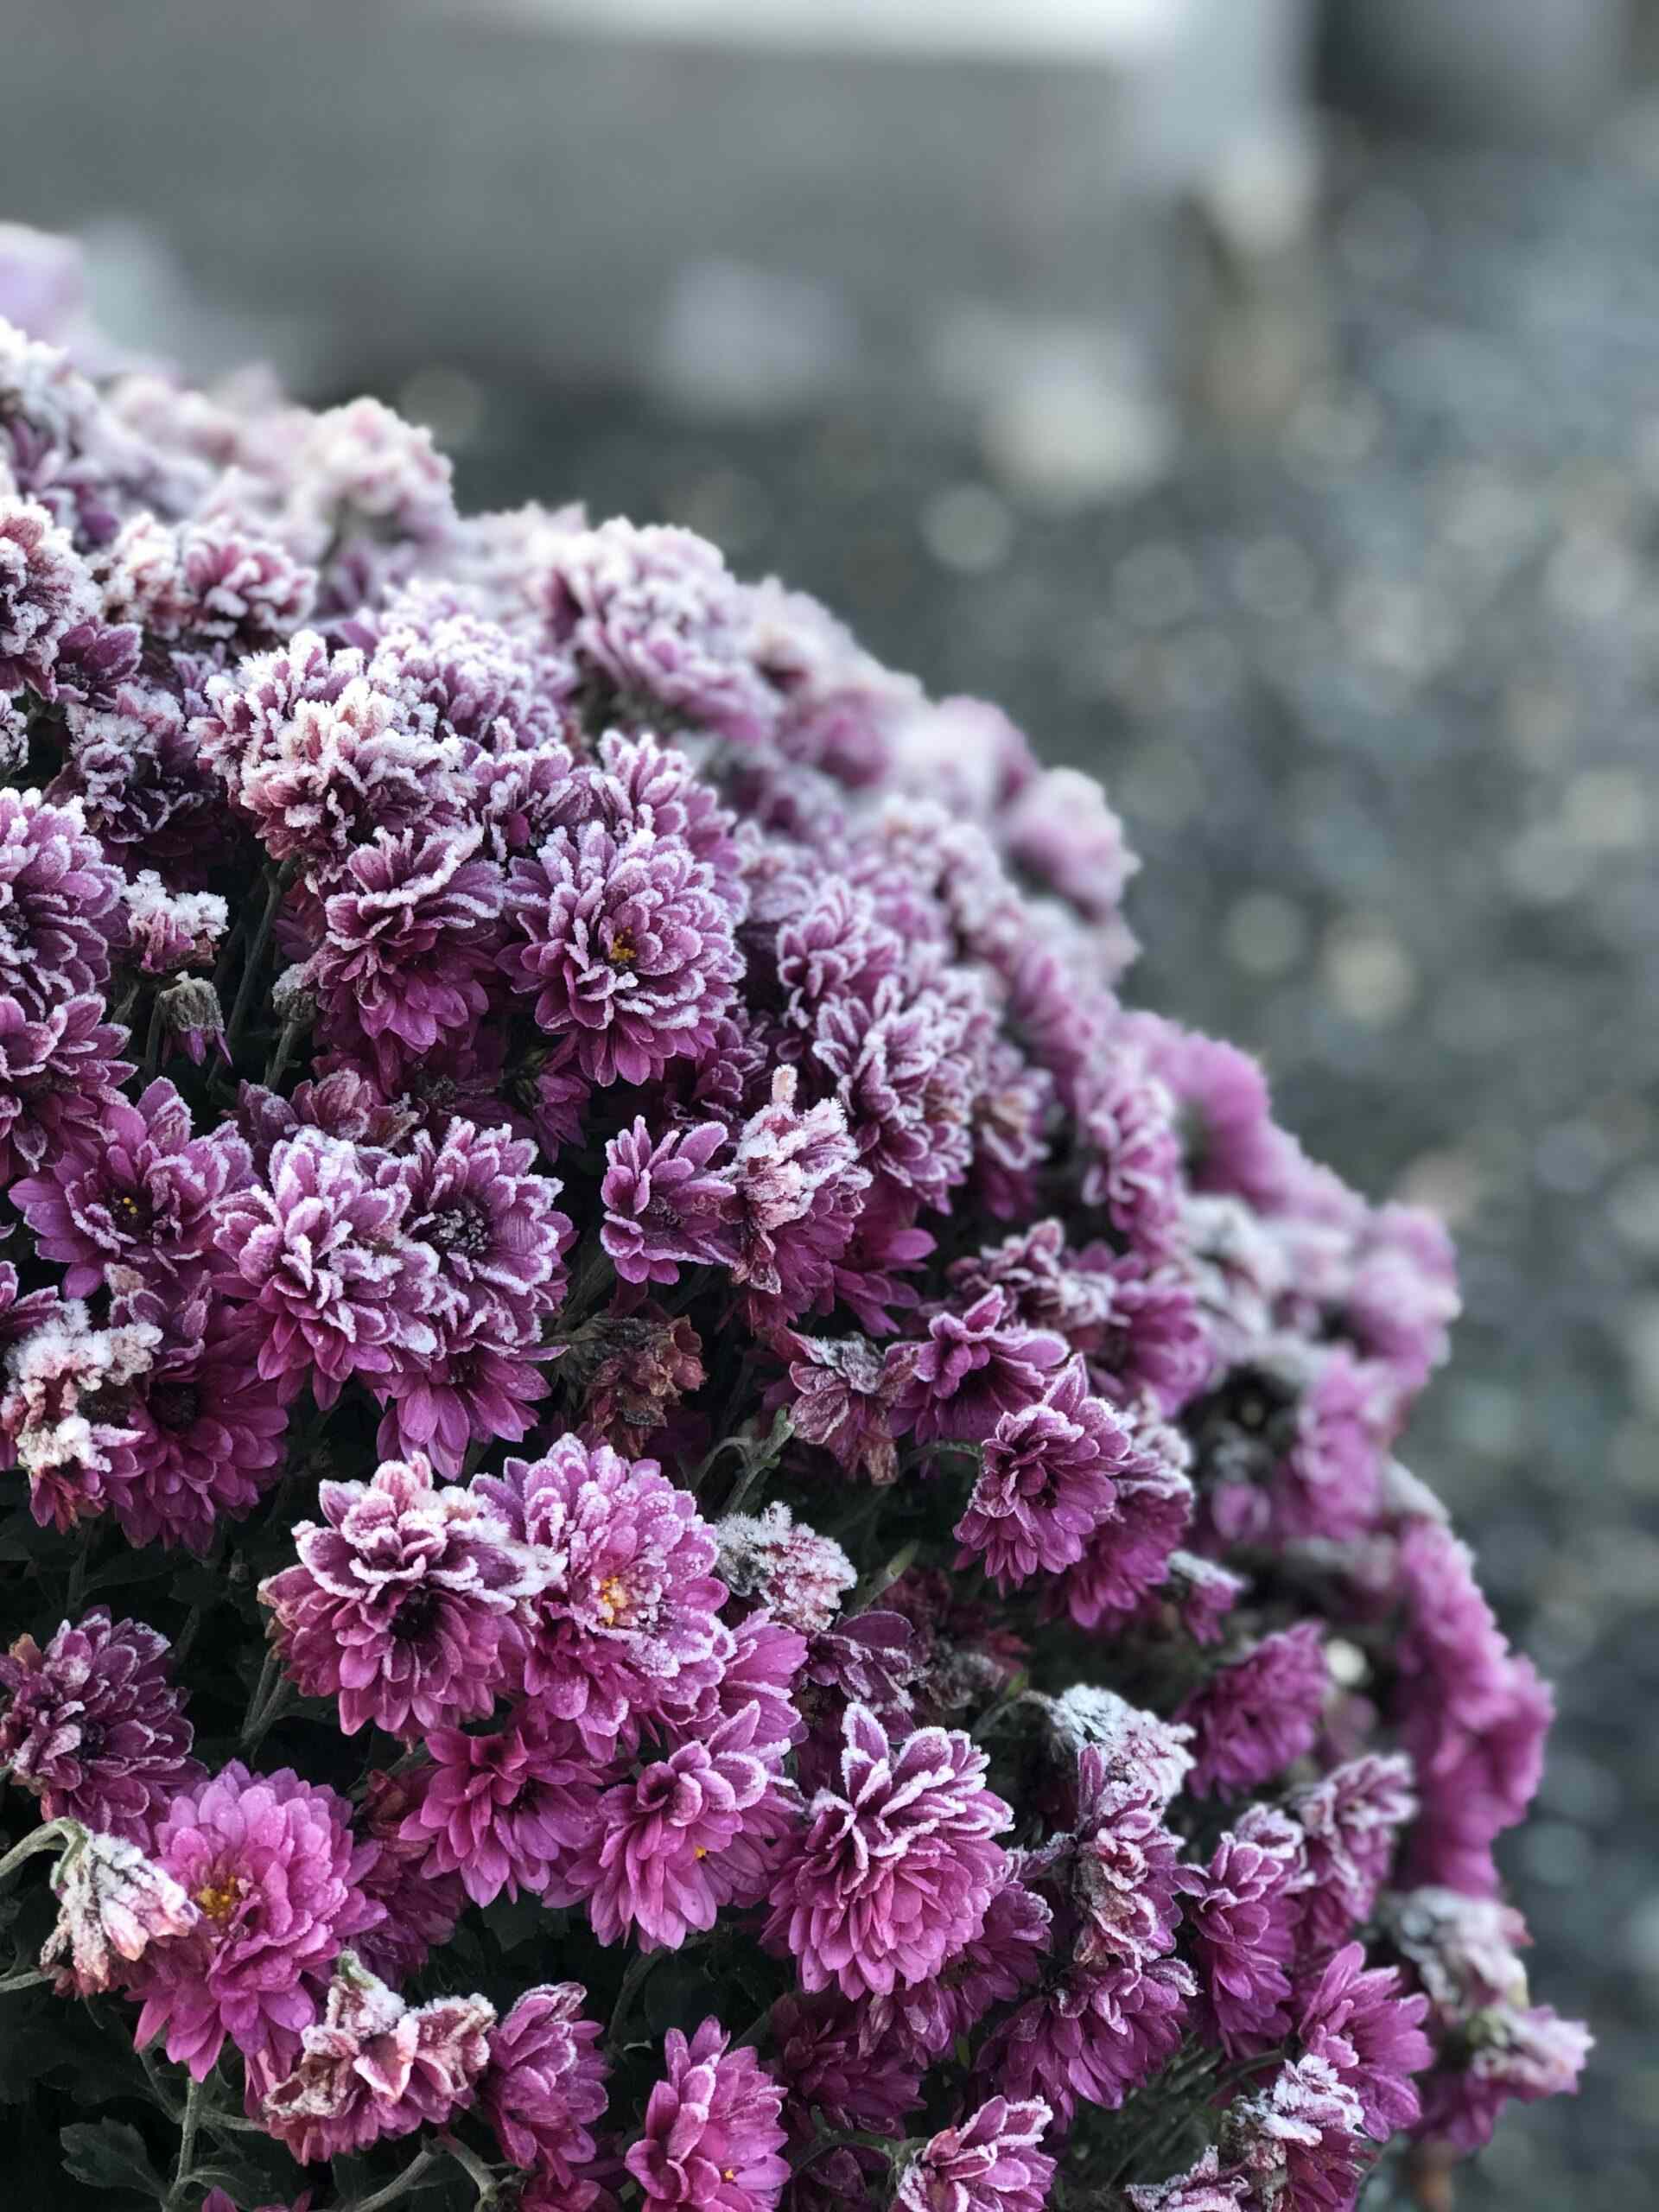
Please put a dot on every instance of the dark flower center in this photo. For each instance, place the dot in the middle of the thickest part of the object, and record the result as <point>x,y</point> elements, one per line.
<point>92,1739</point>
<point>417,1616</point>
<point>131,1212</point>
<point>463,1227</point>
<point>174,1406</point>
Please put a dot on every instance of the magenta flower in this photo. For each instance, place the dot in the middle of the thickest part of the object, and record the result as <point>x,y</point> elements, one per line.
<point>1128,1555</point>
<point>59,1074</point>
<point>507,1811</point>
<point>324,1256</point>
<point>408,936</point>
<point>1121,1862</point>
<point>1243,1914</point>
<point>146,1199</point>
<point>926,2017</point>
<point>94,1725</point>
<point>712,2135</point>
<point>1095,2039</point>
<point>798,1189</point>
<point>992,2162</point>
<point>626,946</point>
<point>1202,2188</point>
<point>1252,1718</point>
<point>971,1369</point>
<point>894,1872</point>
<point>624,1624</point>
<point>545,2086</point>
<point>45,591</point>
<point>1350,1823</point>
<point>422,1906</point>
<point>374,2066</point>
<point>697,1831</point>
<point>270,1863</point>
<point>1522,2053</point>
<point>1301,2140</point>
<point>499,1239</point>
<point>401,1600</point>
<point>1369,2035</point>
<point>666,1205</point>
<point>653,615</point>
<point>1045,1484</point>
<point>62,902</point>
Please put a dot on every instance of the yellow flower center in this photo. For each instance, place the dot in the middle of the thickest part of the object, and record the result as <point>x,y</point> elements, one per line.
<point>218,1900</point>
<point>624,953</point>
<point>613,1599</point>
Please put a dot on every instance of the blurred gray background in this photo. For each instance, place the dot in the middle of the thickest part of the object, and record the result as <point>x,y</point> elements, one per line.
<point>1261,399</point>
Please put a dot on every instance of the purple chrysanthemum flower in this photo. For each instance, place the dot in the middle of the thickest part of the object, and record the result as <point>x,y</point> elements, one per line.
<point>271,1864</point>
<point>1129,1554</point>
<point>625,945</point>
<point>654,616</point>
<point>1301,2140</point>
<point>113,1903</point>
<point>1351,1822</point>
<point>45,591</point>
<point>1095,2038</point>
<point>499,1239</point>
<point>624,1623</point>
<point>692,1833</point>
<point>1370,2036</point>
<point>992,2162</point>
<point>798,1575</point>
<point>1472,1714</point>
<point>798,1187</point>
<point>421,1907</point>
<point>59,906</point>
<point>506,1811</point>
<point>1120,1862</point>
<point>666,1205</point>
<point>545,2086</point>
<point>401,1601</point>
<point>59,1075</point>
<point>1044,1482</point>
<point>482,1388</point>
<point>839,2068</point>
<point>1521,2053</point>
<point>322,1253</point>
<point>1202,2188</point>
<point>1251,1720</point>
<point>1243,1915</point>
<point>970,1370</point>
<point>894,1872</point>
<point>167,930</point>
<point>94,1725</point>
<point>409,936</point>
<point>373,2067</point>
<point>1134,1172</point>
<point>901,1063</point>
<point>145,1200</point>
<point>62,1418</point>
<point>926,2017</point>
<point>712,2135</point>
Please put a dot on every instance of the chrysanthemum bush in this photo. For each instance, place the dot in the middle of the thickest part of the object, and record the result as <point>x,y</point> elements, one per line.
<point>689,1526</point>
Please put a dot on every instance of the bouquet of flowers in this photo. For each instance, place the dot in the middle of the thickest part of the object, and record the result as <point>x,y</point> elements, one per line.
<point>690,1525</point>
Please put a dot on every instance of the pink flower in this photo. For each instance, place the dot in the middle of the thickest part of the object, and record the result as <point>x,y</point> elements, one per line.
<point>374,2066</point>
<point>271,1866</point>
<point>545,2086</point>
<point>45,591</point>
<point>94,1725</point>
<point>712,2135</point>
<point>507,1811</point>
<point>1242,1913</point>
<point>624,1623</point>
<point>400,1601</point>
<point>971,1369</point>
<point>1369,2035</point>
<point>626,944</point>
<point>799,1191</point>
<point>991,2163</point>
<point>1097,2036</point>
<point>697,1831</point>
<point>896,1870</point>
<point>1252,1718</point>
<point>1301,2140</point>
<point>1350,1823</point>
<point>1045,1484</point>
<point>666,1205</point>
<point>798,1575</point>
<point>324,1256</point>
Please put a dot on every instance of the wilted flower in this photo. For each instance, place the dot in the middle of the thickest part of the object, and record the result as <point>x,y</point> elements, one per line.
<point>113,1903</point>
<point>992,2162</point>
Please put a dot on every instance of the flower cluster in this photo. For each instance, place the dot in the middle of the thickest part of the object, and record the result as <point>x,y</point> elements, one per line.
<point>701,1528</point>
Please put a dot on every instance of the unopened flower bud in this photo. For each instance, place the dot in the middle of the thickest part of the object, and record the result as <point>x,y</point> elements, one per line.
<point>190,1011</point>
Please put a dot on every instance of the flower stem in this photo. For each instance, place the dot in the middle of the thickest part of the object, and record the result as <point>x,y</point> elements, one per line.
<point>638,1967</point>
<point>415,2171</point>
<point>188,2126</point>
<point>481,2176</point>
<point>43,1839</point>
<point>30,1979</point>
<point>880,1578</point>
<point>256,954</point>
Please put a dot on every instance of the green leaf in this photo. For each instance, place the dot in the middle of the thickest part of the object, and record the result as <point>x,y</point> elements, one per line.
<point>108,2154</point>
